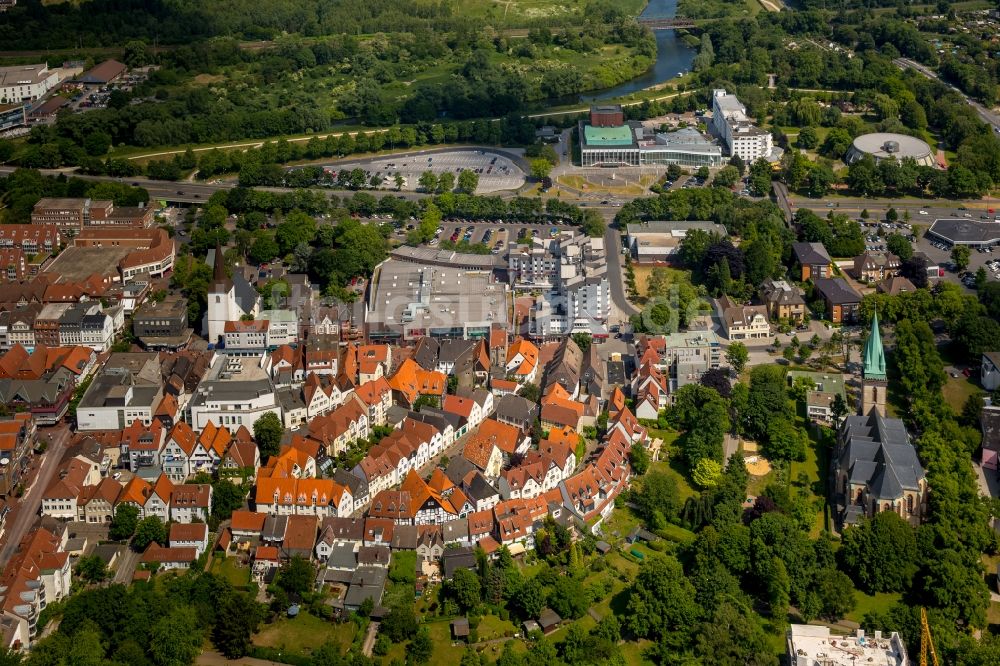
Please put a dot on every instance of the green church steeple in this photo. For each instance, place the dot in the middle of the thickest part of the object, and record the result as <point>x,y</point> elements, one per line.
<point>874,360</point>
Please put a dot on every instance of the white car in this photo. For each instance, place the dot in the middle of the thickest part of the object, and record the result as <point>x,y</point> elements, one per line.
<point>923,212</point>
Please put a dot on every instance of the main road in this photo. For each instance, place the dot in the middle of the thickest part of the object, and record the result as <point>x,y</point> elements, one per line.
<point>987,115</point>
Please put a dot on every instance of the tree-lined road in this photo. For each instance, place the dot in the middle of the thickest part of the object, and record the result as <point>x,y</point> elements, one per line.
<point>987,115</point>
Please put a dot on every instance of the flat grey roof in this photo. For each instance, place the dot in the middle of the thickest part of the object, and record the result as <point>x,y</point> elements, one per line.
<point>405,293</point>
<point>430,255</point>
<point>75,264</point>
<point>966,232</point>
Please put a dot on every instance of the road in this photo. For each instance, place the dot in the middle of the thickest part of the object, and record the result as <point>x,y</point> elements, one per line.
<point>125,568</point>
<point>988,116</point>
<point>616,276</point>
<point>24,514</point>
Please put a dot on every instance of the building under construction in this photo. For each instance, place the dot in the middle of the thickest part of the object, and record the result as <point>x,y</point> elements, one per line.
<point>810,645</point>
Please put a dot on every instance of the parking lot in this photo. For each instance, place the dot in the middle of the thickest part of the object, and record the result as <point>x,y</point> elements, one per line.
<point>496,172</point>
<point>494,235</point>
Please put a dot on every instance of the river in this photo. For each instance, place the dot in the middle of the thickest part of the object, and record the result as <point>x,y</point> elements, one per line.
<point>672,56</point>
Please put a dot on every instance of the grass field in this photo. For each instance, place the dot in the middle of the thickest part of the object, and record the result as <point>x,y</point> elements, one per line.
<point>227,568</point>
<point>957,390</point>
<point>517,12</point>
<point>643,271</point>
<point>620,188</point>
<point>866,603</point>
<point>304,633</point>
<point>815,468</point>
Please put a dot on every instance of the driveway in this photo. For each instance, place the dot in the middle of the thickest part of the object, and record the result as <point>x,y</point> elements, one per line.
<point>127,562</point>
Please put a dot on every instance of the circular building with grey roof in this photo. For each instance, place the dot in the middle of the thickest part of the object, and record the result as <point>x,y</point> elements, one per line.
<point>886,145</point>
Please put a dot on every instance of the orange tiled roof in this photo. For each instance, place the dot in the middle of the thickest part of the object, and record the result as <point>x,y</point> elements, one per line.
<point>135,492</point>
<point>247,521</point>
<point>413,381</point>
<point>214,439</point>
<point>456,404</point>
<point>184,437</point>
<point>528,352</point>
<point>505,437</point>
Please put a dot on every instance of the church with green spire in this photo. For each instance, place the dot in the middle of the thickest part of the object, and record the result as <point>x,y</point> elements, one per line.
<point>873,377</point>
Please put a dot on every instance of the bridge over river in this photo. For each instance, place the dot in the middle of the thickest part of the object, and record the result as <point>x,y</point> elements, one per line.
<point>654,23</point>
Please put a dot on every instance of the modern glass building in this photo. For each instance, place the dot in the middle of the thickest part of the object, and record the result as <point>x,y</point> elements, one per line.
<point>631,144</point>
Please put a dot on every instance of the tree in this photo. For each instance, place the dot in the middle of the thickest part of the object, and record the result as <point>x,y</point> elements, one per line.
<point>704,416</point>
<point>135,54</point>
<point>421,648</point>
<point>400,624</point>
<point>733,635</point>
<point>737,356</point>
<point>97,143</point>
<point>267,431</point>
<point>149,529</point>
<point>706,473</point>
<point>915,270</point>
<point>124,523</point>
<point>428,181</point>
<point>702,173</point>
<point>960,255</point>
<point>593,223</point>
<point>226,498</point>
<point>176,638</point>
<point>657,495</point>
<point>382,645</point>
<point>465,588</point>
<point>638,457</point>
<point>726,176</point>
<point>737,161</point>
<point>706,54</point>
<point>530,392</point>
<point>237,617</point>
<point>785,441</point>
<point>296,576</point>
<point>528,599</point>
<point>835,594</point>
<point>540,168</point>
<point>468,181</point>
<point>91,569</point>
<point>880,554</point>
<point>760,177</point>
<point>583,341</point>
<point>839,409</point>
<point>900,246</point>
<point>661,604</point>
<point>446,182</point>
<point>568,598</point>
<point>808,138</point>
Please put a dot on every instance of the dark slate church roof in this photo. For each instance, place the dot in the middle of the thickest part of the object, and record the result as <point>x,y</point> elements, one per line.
<point>878,452</point>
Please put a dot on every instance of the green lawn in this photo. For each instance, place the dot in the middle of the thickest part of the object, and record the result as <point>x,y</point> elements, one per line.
<point>304,633</point>
<point>227,568</point>
<point>814,467</point>
<point>632,651</point>
<point>957,390</point>
<point>446,651</point>
<point>621,521</point>
<point>398,593</point>
<point>867,603</point>
<point>491,626</point>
